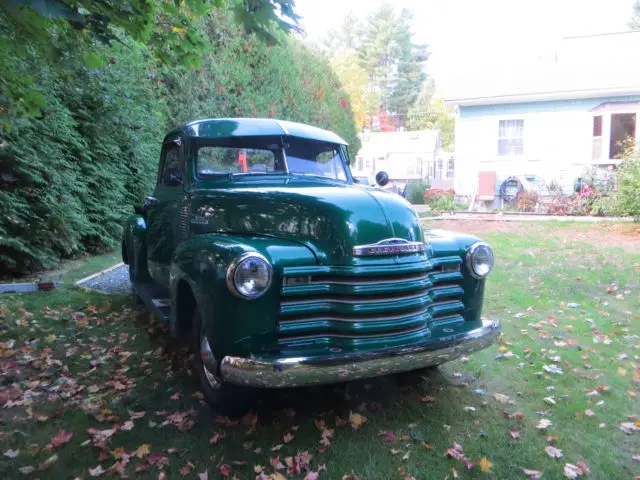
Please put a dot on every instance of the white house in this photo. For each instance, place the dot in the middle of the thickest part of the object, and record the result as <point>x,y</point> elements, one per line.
<point>565,114</point>
<point>404,156</point>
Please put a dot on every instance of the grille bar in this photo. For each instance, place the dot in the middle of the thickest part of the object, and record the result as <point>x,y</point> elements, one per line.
<point>369,301</point>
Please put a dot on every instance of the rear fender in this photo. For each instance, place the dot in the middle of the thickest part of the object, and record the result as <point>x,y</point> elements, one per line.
<point>135,246</point>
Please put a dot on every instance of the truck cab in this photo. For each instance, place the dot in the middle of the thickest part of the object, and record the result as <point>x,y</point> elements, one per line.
<point>260,248</point>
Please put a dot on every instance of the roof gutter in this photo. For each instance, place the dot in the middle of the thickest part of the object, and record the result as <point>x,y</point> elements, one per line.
<point>545,96</point>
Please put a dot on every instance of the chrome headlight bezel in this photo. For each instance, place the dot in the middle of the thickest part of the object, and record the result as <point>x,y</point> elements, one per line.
<point>473,251</point>
<point>233,268</point>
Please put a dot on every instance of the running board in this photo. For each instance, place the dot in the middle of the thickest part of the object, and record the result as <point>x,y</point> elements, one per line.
<point>156,299</point>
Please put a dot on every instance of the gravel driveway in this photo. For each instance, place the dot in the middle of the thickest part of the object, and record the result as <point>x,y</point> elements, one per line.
<point>116,281</point>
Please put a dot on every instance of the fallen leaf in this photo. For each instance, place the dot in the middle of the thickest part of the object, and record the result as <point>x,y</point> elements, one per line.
<point>204,475</point>
<point>501,397</point>
<point>142,451</point>
<point>187,469</point>
<point>573,471</point>
<point>312,476</point>
<point>553,452</point>
<point>60,438</point>
<point>277,447</point>
<point>428,399</point>
<point>288,437</point>
<point>127,426</point>
<point>515,434</point>
<point>48,462</point>
<point>485,465</point>
<point>532,473</point>
<point>175,396</point>
<point>96,472</point>
<point>543,424</point>
<point>356,420</point>
<point>12,453</point>
<point>629,427</point>
<point>225,470</point>
<point>277,476</point>
<point>27,470</point>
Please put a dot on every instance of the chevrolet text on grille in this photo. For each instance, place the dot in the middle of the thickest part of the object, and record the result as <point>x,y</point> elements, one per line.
<point>389,246</point>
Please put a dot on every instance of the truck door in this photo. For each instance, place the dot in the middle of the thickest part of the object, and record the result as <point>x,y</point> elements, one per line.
<point>162,209</point>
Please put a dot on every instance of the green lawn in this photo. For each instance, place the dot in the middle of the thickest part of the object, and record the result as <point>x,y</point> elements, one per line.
<point>90,365</point>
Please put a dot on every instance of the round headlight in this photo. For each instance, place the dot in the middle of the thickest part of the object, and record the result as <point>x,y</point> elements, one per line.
<point>480,259</point>
<point>249,275</point>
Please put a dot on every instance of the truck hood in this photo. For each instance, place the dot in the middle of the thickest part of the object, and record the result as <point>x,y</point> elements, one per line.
<point>329,217</point>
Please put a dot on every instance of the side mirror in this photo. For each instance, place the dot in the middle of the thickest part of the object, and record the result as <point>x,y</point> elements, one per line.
<point>382,178</point>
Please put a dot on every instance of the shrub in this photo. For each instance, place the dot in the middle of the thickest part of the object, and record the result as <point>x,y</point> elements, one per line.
<point>70,176</point>
<point>527,202</point>
<point>440,200</point>
<point>416,190</point>
<point>627,198</point>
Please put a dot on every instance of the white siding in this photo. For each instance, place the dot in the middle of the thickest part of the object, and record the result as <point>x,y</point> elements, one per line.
<point>557,146</point>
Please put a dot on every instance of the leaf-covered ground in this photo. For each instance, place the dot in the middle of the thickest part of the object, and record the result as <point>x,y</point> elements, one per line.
<point>89,388</point>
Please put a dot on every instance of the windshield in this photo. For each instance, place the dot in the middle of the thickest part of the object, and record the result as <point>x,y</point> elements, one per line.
<point>303,157</point>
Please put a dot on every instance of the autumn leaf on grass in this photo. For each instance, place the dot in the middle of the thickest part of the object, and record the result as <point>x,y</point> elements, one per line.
<point>216,438</point>
<point>96,472</point>
<point>225,470</point>
<point>457,453</point>
<point>356,420</point>
<point>60,438</point>
<point>574,471</point>
<point>428,399</point>
<point>515,434</point>
<point>127,426</point>
<point>532,473</point>
<point>27,470</point>
<point>277,476</point>
<point>287,437</point>
<point>12,453</point>
<point>187,469</point>
<point>48,462</point>
<point>553,452</point>
<point>629,427</point>
<point>485,465</point>
<point>312,476</point>
<point>543,424</point>
<point>142,451</point>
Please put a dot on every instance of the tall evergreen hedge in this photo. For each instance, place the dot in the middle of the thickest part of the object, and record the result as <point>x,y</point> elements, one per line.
<point>69,177</point>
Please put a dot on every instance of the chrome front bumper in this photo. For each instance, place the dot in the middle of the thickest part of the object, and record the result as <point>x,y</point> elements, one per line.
<point>297,372</point>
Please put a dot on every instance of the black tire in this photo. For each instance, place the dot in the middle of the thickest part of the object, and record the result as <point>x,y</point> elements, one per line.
<point>225,399</point>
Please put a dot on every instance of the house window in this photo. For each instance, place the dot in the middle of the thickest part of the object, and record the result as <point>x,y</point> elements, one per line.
<point>597,138</point>
<point>450,167</point>
<point>360,160</point>
<point>511,138</point>
<point>623,126</point>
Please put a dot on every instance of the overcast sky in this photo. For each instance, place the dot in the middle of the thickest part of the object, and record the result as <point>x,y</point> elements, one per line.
<point>464,35</point>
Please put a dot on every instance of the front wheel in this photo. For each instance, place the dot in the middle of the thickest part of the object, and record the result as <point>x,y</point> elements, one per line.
<point>225,398</point>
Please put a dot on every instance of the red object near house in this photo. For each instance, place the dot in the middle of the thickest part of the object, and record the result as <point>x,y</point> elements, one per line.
<point>242,161</point>
<point>486,185</point>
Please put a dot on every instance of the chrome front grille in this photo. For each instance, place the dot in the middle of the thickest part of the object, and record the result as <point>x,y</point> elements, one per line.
<point>357,304</point>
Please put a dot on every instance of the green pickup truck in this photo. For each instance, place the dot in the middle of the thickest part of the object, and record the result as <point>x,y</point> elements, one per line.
<point>259,247</point>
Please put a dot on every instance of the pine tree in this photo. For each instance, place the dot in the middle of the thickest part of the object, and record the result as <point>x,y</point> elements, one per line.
<point>409,73</point>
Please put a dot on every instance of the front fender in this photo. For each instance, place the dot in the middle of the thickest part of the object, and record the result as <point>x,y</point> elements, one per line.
<point>235,326</point>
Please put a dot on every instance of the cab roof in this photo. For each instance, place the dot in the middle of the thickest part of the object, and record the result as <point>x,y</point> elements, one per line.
<point>253,127</point>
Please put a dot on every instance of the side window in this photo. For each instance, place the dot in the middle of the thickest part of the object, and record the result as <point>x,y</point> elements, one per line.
<point>172,170</point>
